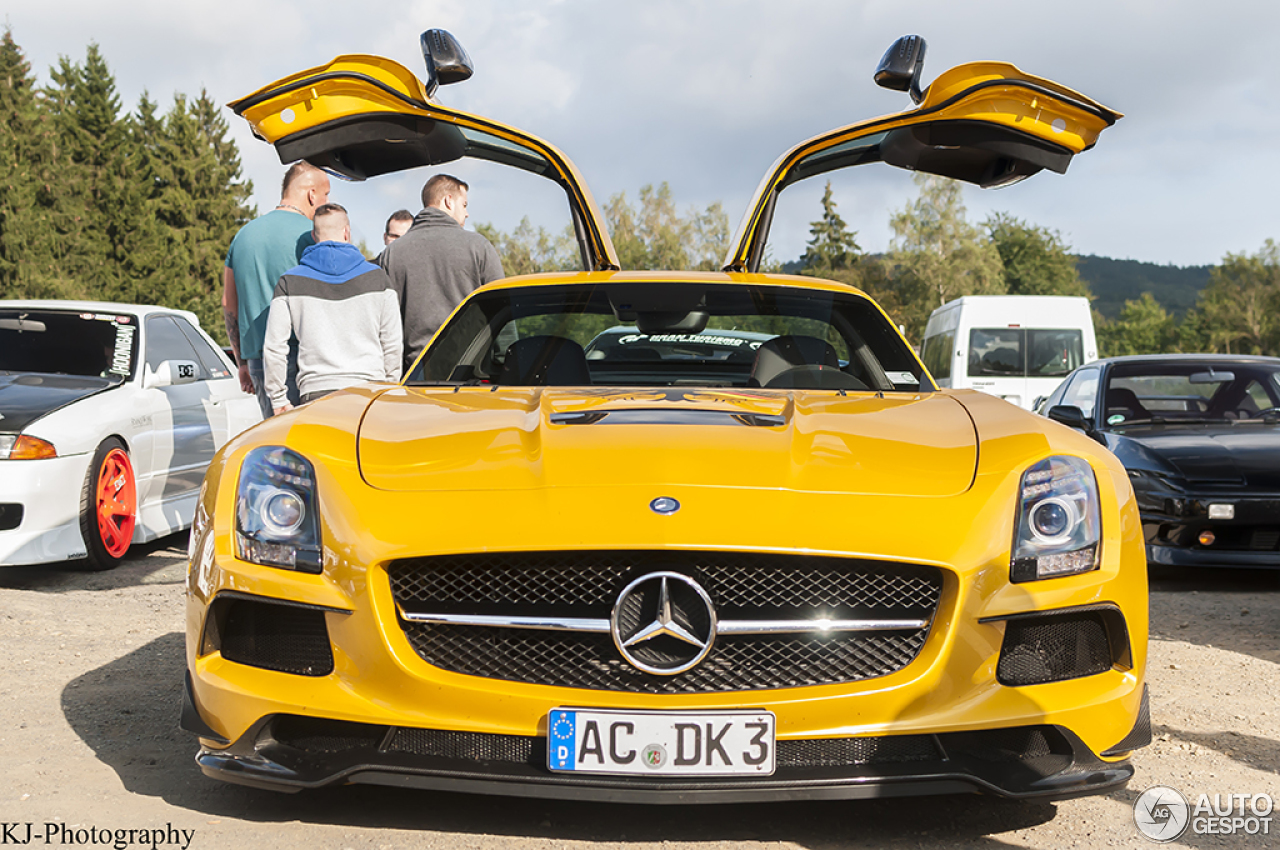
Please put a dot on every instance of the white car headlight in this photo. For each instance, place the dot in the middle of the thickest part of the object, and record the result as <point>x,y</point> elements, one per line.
<point>277,523</point>
<point>1058,525</point>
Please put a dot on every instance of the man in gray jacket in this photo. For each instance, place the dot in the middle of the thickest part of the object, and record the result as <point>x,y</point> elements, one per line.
<point>343,312</point>
<point>436,264</point>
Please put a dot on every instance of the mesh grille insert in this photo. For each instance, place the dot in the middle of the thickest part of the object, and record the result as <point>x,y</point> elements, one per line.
<point>285,638</point>
<point>1054,647</point>
<point>517,749</point>
<point>741,586</point>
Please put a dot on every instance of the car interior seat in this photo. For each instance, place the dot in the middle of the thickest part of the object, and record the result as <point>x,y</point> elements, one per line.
<point>1122,401</point>
<point>800,362</point>
<point>551,361</point>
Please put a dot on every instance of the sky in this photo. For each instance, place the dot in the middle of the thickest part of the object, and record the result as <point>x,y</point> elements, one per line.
<point>706,94</point>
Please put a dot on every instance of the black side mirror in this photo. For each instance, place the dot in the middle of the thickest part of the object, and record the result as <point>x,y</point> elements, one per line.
<point>1073,417</point>
<point>902,65</point>
<point>446,61</point>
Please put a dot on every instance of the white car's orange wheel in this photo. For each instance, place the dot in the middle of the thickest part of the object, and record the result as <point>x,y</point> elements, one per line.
<point>108,506</point>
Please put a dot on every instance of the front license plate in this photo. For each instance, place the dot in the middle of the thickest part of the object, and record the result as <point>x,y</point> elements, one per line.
<point>664,743</point>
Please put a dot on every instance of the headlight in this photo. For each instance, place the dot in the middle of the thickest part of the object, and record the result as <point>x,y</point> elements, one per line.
<point>1058,524</point>
<point>276,519</point>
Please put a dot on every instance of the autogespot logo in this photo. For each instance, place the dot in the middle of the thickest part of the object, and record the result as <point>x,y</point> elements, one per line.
<point>1161,813</point>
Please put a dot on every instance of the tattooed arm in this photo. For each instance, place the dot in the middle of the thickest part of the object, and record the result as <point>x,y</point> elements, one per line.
<point>231,315</point>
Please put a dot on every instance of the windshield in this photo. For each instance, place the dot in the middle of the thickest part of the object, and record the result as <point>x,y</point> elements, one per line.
<point>671,334</point>
<point>1189,393</point>
<point>101,345</point>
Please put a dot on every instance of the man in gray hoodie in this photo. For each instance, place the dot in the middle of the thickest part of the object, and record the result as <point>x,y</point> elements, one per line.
<point>343,312</point>
<point>436,263</point>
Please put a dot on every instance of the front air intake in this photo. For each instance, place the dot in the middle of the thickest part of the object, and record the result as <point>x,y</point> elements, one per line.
<point>1060,645</point>
<point>285,637</point>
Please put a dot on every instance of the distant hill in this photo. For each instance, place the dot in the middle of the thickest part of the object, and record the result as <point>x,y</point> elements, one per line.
<point>1114,282</point>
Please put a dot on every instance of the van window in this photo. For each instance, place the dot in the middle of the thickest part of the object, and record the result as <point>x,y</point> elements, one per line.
<point>1053,353</point>
<point>996,351</point>
<point>936,354</point>
<point>1024,352</point>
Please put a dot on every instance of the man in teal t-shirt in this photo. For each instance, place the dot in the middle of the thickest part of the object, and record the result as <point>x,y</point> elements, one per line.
<point>261,251</point>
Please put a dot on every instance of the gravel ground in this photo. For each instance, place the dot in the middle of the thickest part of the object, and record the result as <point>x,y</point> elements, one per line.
<point>91,677</point>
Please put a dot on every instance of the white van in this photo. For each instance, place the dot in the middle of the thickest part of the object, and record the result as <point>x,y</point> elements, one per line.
<point>1018,347</point>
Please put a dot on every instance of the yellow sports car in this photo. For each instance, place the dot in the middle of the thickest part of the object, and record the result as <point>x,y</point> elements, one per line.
<point>669,537</point>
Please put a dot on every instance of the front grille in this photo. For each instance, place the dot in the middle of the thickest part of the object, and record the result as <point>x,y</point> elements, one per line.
<point>742,586</point>
<point>842,752</point>
<point>1054,647</point>
<point>1264,539</point>
<point>469,746</point>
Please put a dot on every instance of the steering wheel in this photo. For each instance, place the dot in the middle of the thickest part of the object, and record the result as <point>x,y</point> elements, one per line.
<point>1268,411</point>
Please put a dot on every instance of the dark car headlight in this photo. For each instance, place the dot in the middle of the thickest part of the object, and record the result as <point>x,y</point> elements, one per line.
<point>1058,525</point>
<point>277,523</point>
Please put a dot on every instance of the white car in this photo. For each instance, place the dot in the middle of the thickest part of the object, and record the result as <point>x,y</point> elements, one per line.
<point>109,414</point>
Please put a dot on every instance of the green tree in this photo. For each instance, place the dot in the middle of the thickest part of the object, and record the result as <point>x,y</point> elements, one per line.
<point>198,195</point>
<point>29,183</point>
<point>832,245</point>
<point>937,255</point>
<point>528,250</point>
<point>1240,308</point>
<point>1144,327</point>
<point>102,204</point>
<point>94,171</point>
<point>1036,262</point>
<point>655,236</point>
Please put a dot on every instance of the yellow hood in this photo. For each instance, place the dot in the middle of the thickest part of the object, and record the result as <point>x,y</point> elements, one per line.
<point>416,439</point>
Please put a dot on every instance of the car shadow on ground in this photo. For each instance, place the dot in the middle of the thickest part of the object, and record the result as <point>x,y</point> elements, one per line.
<point>1264,753</point>
<point>133,729</point>
<point>162,561</point>
<point>1233,609</point>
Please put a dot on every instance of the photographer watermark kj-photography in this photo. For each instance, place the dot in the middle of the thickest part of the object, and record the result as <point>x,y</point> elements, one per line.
<point>52,834</point>
<point>1164,814</point>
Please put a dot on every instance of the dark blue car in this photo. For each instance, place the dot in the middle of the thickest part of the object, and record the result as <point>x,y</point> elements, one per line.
<point>1200,437</point>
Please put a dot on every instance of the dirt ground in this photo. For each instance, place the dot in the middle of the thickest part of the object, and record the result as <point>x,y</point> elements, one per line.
<point>90,681</point>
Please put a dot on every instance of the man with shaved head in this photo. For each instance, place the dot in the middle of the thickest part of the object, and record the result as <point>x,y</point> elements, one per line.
<point>437,263</point>
<point>260,252</point>
<point>343,312</point>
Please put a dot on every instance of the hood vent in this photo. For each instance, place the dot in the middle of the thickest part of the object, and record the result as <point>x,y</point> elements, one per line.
<point>668,416</point>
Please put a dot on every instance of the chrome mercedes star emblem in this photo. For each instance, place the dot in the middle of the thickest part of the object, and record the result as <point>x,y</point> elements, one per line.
<point>663,623</point>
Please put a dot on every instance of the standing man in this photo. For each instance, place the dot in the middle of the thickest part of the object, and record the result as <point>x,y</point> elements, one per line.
<point>397,226</point>
<point>343,312</point>
<point>260,252</point>
<point>436,264</point>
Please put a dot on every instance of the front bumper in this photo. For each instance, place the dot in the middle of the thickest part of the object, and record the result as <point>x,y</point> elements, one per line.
<point>289,753</point>
<point>1251,538</point>
<point>45,495</point>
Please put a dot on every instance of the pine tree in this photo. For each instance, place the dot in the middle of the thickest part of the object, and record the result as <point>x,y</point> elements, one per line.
<point>94,174</point>
<point>833,245</point>
<point>29,242</point>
